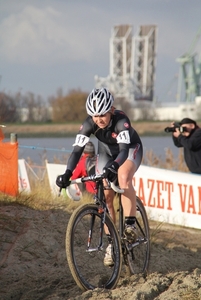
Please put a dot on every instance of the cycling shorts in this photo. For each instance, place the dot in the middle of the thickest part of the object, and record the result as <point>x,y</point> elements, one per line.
<point>105,156</point>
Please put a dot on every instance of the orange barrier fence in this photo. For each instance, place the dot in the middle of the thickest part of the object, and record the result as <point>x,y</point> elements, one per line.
<point>8,167</point>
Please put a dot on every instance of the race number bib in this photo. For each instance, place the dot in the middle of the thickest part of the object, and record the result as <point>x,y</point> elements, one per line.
<point>81,140</point>
<point>123,137</point>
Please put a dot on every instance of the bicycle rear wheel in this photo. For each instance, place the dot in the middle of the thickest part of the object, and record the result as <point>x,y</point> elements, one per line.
<point>138,256</point>
<point>86,261</point>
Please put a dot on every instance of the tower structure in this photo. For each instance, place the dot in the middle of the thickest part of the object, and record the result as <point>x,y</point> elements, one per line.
<point>189,81</point>
<point>121,51</point>
<point>144,62</point>
<point>132,63</point>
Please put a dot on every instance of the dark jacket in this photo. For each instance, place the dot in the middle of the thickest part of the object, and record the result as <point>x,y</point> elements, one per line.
<point>192,149</point>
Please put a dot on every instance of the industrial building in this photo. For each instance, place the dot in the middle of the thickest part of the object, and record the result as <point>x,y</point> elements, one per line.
<point>132,76</point>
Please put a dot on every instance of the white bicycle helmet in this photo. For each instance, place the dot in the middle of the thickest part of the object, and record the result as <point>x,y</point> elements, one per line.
<point>99,102</point>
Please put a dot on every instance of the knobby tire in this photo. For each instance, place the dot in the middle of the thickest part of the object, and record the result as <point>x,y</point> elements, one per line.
<point>87,268</point>
<point>137,259</point>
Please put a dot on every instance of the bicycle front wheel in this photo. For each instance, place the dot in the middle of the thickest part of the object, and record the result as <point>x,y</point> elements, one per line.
<point>137,258</point>
<point>86,242</point>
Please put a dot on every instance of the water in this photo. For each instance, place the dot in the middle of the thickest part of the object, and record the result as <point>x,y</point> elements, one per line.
<point>159,145</point>
<point>39,149</point>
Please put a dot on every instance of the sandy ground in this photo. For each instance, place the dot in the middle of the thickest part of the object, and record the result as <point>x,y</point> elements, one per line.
<point>33,262</point>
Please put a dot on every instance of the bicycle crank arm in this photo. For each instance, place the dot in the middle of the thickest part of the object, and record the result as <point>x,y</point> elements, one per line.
<point>94,249</point>
<point>137,243</point>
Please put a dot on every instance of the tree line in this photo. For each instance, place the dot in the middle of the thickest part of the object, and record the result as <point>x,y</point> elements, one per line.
<point>61,108</point>
<point>29,108</point>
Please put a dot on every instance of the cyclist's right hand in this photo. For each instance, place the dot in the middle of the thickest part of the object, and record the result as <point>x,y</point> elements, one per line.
<point>110,171</point>
<point>63,181</point>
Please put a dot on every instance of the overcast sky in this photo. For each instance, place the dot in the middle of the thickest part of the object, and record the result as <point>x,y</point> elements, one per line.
<point>50,44</point>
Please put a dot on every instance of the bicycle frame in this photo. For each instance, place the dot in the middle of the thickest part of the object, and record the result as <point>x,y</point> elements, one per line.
<point>99,198</point>
<point>100,201</point>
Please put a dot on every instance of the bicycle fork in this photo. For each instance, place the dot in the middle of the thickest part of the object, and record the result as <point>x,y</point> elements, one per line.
<point>102,212</point>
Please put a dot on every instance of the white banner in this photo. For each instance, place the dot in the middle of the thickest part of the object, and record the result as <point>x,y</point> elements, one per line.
<point>53,171</point>
<point>23,180</point>
<point>170,196</point>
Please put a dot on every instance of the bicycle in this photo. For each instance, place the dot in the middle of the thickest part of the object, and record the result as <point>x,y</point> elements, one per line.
<point>86,241</point>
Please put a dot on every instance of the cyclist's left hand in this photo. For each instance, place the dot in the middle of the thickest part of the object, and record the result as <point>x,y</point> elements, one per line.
<point>63,181</point>
<point>110,171</point>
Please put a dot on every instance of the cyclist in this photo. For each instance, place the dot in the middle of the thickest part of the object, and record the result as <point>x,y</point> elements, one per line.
<point>119,154</point>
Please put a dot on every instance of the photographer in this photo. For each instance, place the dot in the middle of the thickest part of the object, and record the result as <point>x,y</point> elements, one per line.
<point>187,134</point>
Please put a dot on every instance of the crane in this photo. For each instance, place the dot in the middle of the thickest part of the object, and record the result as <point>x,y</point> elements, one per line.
<point>189,73</point>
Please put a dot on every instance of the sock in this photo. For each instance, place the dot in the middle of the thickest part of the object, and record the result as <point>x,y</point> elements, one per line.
<point>109,238</point>
<point>130,220</point>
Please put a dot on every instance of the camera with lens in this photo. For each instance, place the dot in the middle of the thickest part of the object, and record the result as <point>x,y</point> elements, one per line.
<point>173,129</point>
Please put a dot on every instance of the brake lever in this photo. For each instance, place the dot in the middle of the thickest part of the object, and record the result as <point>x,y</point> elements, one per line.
<point>59,194</point>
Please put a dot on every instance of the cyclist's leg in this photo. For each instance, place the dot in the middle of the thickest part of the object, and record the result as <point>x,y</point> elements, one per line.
<point>103,158</point>
<point>125,176</point>
<point>109,196</point>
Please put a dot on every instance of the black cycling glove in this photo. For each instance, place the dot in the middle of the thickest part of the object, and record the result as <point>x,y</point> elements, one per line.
<point>64,180</point>
<point>110,171</point>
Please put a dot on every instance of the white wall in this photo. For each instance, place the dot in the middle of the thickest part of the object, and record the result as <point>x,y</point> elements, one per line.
<point>167,111</point>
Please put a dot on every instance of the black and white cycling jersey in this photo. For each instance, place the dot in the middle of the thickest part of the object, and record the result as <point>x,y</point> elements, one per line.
<point>118,141</point>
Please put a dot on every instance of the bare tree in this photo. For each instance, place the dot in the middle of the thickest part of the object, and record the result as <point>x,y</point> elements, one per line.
<point>8,109</point>
<point>70,107</point>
